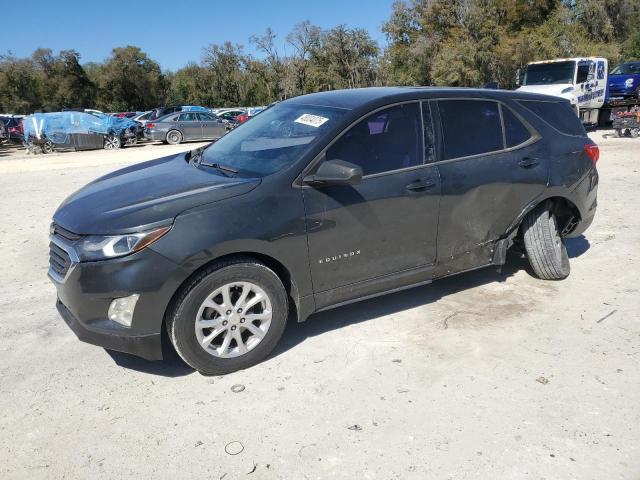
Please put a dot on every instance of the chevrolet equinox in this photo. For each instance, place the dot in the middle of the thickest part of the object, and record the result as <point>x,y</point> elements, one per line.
<point>319,201</point>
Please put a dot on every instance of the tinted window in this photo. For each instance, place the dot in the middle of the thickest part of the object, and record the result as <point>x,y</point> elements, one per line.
<point>170,118</point>
<point>559,115</point>
<point>515,132</point>
<point>470,127</point>
<point>429,137</point>
<point>387,140</point>
<point>188,117</point>
<point>206,117</point>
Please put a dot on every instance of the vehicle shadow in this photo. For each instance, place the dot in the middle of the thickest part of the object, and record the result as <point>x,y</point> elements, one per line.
<point>171,366</point>
<point>577,246</point>
<point>388,304</point>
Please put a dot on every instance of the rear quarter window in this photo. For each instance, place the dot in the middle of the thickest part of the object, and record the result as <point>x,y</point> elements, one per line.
<point>515,133</point>
<point>559,115</point>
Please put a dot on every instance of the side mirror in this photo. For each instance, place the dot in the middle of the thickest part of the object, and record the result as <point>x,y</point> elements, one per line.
<point>335,172</point>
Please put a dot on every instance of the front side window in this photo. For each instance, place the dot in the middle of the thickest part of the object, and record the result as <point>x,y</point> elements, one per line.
<point>583,73</point>
<point>470,127</point>
<point>188,117</point>
<point>388,140</point>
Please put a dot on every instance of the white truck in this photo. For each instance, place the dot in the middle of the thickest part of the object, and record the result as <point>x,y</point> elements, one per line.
<point>581,80</point>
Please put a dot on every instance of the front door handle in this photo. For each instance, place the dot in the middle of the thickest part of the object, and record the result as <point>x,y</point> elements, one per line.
<point>528,162</point>
<point>421,185</point>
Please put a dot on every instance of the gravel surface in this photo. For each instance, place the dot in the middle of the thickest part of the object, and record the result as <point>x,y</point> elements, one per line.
<point>487,375</point>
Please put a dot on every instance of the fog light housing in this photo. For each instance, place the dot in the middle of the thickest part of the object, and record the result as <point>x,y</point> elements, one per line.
<point>121,309</point>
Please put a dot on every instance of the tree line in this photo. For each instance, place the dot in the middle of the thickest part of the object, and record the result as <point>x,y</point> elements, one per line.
<point>429,42</point>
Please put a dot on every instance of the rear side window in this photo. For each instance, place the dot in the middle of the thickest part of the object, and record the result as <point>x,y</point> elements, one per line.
<point>515,132</point>
<point>559,115</point>
<point>470,127</point>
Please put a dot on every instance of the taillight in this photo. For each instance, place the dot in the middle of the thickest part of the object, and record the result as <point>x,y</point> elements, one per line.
<point>151,125</point>
<point>592,151</point>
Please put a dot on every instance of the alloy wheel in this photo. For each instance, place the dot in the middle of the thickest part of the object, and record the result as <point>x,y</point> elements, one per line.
<point>233,319</point>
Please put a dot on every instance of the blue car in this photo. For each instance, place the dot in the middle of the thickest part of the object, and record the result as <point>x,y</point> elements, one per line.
<point>624,80</point>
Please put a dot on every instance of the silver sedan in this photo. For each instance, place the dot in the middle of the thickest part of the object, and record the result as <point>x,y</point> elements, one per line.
<point>184,126</point>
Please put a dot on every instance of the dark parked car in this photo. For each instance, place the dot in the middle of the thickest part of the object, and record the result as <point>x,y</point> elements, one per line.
<point>624,80</point>
<point>13,128</point>
<point>178,127</point>
<point>321,200</point>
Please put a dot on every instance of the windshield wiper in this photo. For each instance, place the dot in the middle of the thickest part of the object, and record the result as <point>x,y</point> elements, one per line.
<point>194,157</point>
<point>218,166</point>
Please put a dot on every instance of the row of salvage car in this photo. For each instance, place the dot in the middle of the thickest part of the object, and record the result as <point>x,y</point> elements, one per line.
<point>92,129</point>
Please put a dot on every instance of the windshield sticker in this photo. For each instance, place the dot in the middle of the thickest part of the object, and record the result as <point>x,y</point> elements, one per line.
<point>311,120</point>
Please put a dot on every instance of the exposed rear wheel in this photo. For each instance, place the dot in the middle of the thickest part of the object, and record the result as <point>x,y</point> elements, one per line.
<point>229,317</point>
<point>545,248</point>
<point>112,142</point>
<point>174,137</point>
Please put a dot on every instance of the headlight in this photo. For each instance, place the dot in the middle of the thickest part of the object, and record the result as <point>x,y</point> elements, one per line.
<point>628,82</point>
<point>98,247</point>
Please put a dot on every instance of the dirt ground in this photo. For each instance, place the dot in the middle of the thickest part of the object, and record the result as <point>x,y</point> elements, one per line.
<point>487,375</point>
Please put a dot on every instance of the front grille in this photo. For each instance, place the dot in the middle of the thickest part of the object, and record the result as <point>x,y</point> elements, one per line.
<point>59,259</point>
<point>58,231</point>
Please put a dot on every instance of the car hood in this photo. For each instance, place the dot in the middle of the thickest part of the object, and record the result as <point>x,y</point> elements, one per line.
<point>146,195</point>
<point>554,90</point>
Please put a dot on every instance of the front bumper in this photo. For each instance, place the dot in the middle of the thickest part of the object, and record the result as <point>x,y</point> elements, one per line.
<point>87,290</point>
<point>148,346</point>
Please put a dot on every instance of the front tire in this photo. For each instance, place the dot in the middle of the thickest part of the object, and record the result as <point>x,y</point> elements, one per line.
<point>229,317</point>
<point>545,247</point>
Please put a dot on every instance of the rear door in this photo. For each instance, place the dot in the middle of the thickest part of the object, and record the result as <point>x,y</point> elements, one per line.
<point>189,124</point>
<point>212,127</point>
<point>489,175</point>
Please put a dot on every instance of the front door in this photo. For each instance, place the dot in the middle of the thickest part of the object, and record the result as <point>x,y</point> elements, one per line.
<point>388,222</point>
<point>591,85</point>
<point>190,126</point>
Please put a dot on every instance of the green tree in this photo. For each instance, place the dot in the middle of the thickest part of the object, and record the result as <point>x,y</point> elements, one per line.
<point>130,80</point>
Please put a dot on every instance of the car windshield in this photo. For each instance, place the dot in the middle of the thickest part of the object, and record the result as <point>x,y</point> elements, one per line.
<point>549,73</point>
<point>274,139</point>
<point>626,69</point>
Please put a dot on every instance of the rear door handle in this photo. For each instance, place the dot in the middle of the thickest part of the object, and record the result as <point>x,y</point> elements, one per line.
<point>528,162</point>
<point>421,185</point>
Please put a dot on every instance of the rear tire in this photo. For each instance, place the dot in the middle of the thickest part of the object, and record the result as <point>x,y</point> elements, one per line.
<point>545,247</point>
<point>174,137</point>
<point>198,304</point>
<point>112,142</point>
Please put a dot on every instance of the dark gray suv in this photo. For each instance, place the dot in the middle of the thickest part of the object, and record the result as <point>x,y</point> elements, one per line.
<point>319,201</point>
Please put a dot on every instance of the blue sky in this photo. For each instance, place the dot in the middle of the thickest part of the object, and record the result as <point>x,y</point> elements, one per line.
<point>174,32</point>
